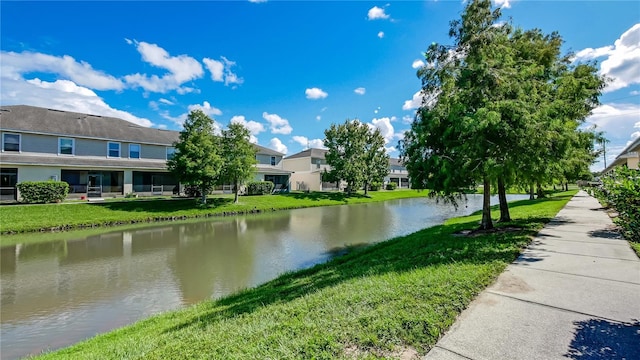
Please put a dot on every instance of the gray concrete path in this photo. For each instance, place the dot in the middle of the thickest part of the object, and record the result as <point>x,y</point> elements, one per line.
<point>573,293</point>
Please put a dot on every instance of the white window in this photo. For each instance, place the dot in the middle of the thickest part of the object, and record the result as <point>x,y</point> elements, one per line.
<point>171,151</point>
<point>318,162</point>
<point>10,142</point>
<point>113,149</point>
<point>273,161</point>
<point>134,151</point>
<point>66,146</point>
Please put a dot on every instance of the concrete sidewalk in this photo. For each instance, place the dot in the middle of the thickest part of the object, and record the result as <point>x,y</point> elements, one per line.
<point>573,293</point>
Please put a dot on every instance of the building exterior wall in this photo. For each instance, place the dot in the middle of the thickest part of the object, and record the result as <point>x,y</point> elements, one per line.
<point>39,143</point>
<point>632,163</point>
<point>90,147</point>
<point>152,152</point>
<point>298,164</point>
<point>306,181</point>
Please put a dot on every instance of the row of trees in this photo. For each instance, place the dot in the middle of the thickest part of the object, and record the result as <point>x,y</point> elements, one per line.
<point>356,154</point>
<point>502,107</point>
<point>203,159</point>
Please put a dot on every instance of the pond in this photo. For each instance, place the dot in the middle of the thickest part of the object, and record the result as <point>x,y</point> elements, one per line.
<point>58,292</point>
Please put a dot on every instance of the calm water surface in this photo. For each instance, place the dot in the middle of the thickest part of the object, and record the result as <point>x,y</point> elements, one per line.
<point>59,292</point>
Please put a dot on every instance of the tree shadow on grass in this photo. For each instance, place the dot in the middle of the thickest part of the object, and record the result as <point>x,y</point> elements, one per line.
<point>603,339</point>
<point>324,195</point>
<point>165,205</point>
<point>430,247</point>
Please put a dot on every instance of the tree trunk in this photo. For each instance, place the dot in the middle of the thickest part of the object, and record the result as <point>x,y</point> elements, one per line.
<point>540,192</point>
<point>204,194</point>
<point>531,192</point>
<point>366,188</point>
<point>235,190</point>
<point>566,186</point>
<point>502,196</point>
<point>486,205</point>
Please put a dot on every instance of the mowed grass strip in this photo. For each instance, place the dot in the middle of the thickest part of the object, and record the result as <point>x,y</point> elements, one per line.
<point>385,301</point>
<point>67,216</point>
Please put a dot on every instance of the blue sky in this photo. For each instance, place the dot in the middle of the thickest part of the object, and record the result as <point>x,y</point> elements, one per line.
<point>286,69</point>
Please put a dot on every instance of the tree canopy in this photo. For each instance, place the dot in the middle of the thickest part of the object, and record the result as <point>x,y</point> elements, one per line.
<point>197,160</point>
<point>502,106</point>
<point>238,156</point>
<point>356,154</point>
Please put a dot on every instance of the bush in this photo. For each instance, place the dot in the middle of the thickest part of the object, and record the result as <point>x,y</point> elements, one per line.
<point>391,186</point>
<point>622,192</point>
<point>375,186</point>
<point>34,192</point>
<point>259,187</point>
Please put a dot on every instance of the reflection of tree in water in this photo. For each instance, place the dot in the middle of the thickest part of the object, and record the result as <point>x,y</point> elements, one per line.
<point>602,339</point>
<point>356,224</point>
<point>212,258</point>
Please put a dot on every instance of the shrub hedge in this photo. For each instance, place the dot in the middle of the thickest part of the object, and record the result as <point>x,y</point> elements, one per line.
<point>621,191</point>
<point>34,192</point>
<point>375,186</point>
<point>259,187</point>
<point>391,186</point>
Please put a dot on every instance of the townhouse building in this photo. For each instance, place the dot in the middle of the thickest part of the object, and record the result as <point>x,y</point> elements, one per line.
<point>309,165</point>
<point>97,156</point>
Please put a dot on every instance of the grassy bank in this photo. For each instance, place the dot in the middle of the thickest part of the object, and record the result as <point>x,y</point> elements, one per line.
<point>67,216</point>
<point>389,300</point>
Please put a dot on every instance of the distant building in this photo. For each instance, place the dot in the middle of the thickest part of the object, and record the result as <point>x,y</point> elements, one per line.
<point>309,165</point>
<point>96,155</point>
<point>629,157</point>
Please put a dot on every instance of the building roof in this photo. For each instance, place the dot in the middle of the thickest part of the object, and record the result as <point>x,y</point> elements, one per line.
<point>395,162</point>
<point>65,123</point>
<point>631,150</point>
<point>32,119</point>
<point>312,153</point>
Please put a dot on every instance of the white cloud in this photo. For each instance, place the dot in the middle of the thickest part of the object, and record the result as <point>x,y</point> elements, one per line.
<point>618,122</point>
<point>277,124</point>
<point>216,68</point>
<point>377,13</point>
<point>277,145</point>
<point>15,65</point>
<point>318,118</point>
<point>615,119</point>
<point>315,93</point>
<point>634,93</point>
<point>254,127</point>
<point>622,63</point>
<point>181,69</point>
<point>502,3</point>
<point>257,1</point>
<point>61,95</point>
<point>381,34</point>
<point>309,143</point>
<point>166,102</point>
<point>417,63</point>
<point>360,91</point>
<point>229,76</point>
<point>385,126</point>
<point>206,108</point>
<point>407,119</point>
<point>415,102</point>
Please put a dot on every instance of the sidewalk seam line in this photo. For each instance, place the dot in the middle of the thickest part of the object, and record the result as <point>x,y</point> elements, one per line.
<point>451,351</point>
<point>586,276</point>
<point>591,256</point>
<point>546,237</point>
<point>561,309</point>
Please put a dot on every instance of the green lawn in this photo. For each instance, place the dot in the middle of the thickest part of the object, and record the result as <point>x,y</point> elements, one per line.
<point>384,301</point>
<point>66,216</point>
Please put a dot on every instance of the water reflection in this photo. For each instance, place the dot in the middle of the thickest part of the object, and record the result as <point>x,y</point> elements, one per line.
<point>60,292</point>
